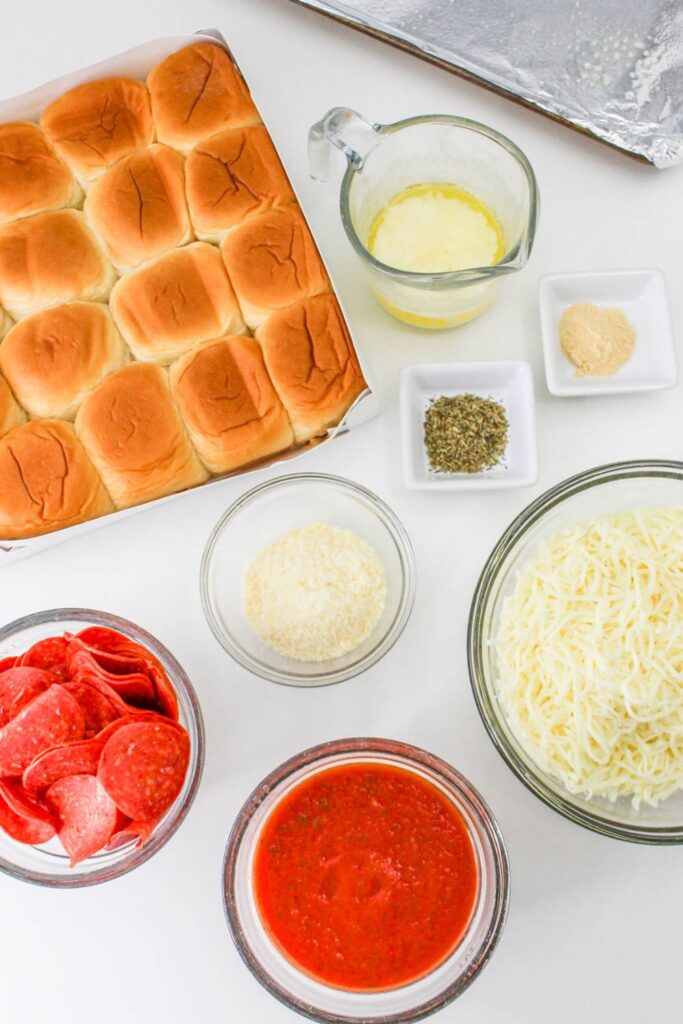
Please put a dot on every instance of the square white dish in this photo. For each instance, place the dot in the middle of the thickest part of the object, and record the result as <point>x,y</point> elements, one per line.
<point>509,383</point>
<point>642,297</point>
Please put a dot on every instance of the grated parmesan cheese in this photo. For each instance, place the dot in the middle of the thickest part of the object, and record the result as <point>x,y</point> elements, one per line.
<point>590,656</point>
<point>316,593</point>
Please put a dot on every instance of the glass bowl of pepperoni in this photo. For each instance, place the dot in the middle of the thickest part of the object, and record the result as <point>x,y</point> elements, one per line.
<point>101,747</point>
<point>365,880</point>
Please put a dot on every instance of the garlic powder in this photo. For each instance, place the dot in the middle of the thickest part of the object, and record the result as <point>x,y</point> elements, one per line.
<point>315,593</point>
<point>598,340</point>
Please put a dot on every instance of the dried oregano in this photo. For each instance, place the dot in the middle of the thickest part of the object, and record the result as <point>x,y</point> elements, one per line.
<point>464,433</point>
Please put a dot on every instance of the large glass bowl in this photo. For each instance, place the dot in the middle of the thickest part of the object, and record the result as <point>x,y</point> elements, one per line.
<point>607,489</point>
<point>272,509</point>
<point>48,864</point>
<point>321,1002</point>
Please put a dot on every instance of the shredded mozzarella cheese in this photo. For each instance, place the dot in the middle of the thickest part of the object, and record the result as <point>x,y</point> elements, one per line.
<point>590,656</point>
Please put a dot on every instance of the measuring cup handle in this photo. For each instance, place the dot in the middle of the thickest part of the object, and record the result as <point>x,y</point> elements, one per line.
<point>348,131</point>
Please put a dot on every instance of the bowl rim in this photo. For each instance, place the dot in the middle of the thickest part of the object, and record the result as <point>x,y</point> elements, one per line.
<point>77,878</point>
<point>452,780</point>
<point>404,547</point>
<point>483,697</point>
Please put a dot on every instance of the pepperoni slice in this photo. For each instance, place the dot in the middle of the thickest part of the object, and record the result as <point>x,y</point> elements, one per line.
<point>133,686</point>
<point>18,687</point>
<point>105,639</point>
<point>117,653</point>
<point>108,643</point>
<point>135,715</point>
<point>79,758</point>
<point>86,815</point>
<point>8,662</point>
<point>99,703</point>
<point>49,654</point>
<point>24,698</point>
<point>51,718</point>
<point>22,818</point>
<point>112,651</point>
<point>166,700</point>
<point>137,832</point>
<point>143,767</point>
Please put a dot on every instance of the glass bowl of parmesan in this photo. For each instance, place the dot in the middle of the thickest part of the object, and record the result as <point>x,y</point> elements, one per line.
<point>575,648</point>
<point>308,579</point>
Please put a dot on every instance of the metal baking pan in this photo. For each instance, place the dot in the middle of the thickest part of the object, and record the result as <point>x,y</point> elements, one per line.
<point>612,69</point>
<point>137,63</point>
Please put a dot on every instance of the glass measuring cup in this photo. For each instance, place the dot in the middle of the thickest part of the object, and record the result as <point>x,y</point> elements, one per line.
<point>385,159</point>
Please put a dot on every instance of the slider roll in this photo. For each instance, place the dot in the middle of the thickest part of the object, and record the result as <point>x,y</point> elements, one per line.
<point>47,482</point>
<point>138,207</point>
<point>233,176</point>
<point>272,262</point>
<point>168,306</point>
<point>197,92</point>
<point>229,405</point>
<point>54,358</point>
<point>132,432</point>
<point>97,123</point>
<point>312,363</point>
<point>11,414</point>
<point>48,259</point>
<point>33,179</point>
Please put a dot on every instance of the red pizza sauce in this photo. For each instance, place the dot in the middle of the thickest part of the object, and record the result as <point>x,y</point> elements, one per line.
<point>365,876</point>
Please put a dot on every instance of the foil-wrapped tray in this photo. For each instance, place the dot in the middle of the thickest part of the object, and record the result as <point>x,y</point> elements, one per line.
<point>610,68</point>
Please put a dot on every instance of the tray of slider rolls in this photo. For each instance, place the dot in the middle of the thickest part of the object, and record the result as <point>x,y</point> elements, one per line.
<point>166,318</point>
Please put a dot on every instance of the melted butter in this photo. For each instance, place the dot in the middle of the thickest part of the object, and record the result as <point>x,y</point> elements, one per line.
<point>432,322</point>
<point>434,228</point>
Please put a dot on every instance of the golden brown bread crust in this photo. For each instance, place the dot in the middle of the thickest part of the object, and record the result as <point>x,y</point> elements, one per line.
<point>95,124</point>
<point>197,92</point>
<point>47,481</point>
<point>138,207</point>
<point>32,177</point>
<point>312,363</point>
<point>51,258</point>
<point>229,405</point>
<point>272,262</point>
<point>5,323</point>
<point>232,176</point>
<point>168,306</point>
<point>54,358</point>
<point>133,434</point>
<point>11,414</point>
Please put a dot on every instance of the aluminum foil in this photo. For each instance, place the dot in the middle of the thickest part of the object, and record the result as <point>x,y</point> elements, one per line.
<point>612,68</point>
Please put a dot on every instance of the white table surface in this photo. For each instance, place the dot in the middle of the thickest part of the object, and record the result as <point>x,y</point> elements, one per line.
<point>594,930</point>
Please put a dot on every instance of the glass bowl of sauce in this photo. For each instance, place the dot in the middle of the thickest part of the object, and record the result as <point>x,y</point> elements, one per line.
<point>365,880</point>
<point>438,208</point>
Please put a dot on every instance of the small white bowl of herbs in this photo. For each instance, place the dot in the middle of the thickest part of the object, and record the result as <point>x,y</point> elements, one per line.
<point>468,426</point>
